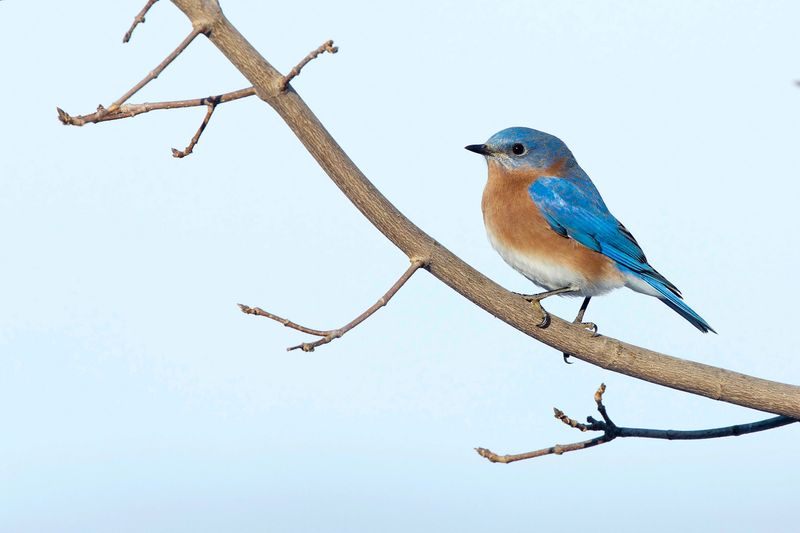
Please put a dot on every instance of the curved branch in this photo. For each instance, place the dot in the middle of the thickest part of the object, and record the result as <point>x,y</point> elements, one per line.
<point>608,353</point>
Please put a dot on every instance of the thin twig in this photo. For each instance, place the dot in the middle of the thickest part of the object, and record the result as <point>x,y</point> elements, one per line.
<point>188,150</point>
<point>131,110</point>
<point>558,449</point>
<point>327,46</point>
<point>139,19</point>
<point>285,321</point>
<point>153,74</point>
<point>611,431</point>
<point>571,422</point>
<point>331,334</point>
<point>598,399</point>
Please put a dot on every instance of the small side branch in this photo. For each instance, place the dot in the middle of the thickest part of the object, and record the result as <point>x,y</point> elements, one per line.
<point>331,334</point>
<point>153,74</point>
<point>188,150</point>
<point>131,110</point>
<point>611,431</point>
<point>327,46</point>
<point>139,19</point>
<point>115,110</point>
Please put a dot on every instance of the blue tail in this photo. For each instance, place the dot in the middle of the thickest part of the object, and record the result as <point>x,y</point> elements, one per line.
<point>672,298</point>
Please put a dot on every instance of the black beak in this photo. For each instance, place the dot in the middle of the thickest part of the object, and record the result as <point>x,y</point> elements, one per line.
<point>478,149</point>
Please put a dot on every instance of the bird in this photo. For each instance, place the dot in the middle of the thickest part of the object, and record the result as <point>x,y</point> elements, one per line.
<point>547,220</point>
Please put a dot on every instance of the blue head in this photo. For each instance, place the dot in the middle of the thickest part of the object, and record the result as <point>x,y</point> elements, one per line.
<point>524,147</point>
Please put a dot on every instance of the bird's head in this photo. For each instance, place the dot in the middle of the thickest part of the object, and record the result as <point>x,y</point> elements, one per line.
<point>516,148</point>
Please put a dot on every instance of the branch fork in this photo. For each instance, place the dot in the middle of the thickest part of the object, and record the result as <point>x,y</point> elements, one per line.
<point>119,109</point>
<point>611,431</point>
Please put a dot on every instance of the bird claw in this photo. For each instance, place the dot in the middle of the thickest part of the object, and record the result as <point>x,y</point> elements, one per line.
<point>545,315</point>
<point>566,357</point>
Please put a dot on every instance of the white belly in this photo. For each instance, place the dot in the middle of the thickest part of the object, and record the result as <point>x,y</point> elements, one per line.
<point>551,275</point>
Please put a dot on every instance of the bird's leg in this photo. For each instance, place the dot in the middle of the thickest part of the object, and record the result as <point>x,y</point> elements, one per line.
<point>536,299</point>
<point>591,326</point>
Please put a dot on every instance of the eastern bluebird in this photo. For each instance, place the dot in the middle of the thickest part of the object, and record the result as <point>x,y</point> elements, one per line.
<point>546,219</point>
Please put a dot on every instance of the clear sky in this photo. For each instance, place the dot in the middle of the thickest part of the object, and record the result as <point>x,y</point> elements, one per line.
<point>134,396</point>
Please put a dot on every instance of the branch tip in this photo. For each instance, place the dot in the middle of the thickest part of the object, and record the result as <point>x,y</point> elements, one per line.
<point>559,414</point>
<point>327,46</point>
<point>64,117</point>
<point>611,431</point>
<point>212,105</point>
<point>138,19</point>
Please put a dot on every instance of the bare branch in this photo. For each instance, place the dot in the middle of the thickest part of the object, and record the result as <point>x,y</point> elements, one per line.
<point>327,46</point>
<point>285,321</point>
<point>611,431</point>
<point>139,19</point>
<point>114,111</point>
<point>598,399</point>
<point>153,74</point>
<point>605,352</point>
<point>188,150</point>
<point>571,422</point>
<point>331,334</point>
<point>558,449</point>
<point>131,110</point>
<point>611,354</point>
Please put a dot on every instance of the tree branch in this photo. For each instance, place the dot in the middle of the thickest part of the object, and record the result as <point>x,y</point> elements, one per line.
<point>131,110</point>
<point>720,384</point>
<point>188,150</point>
<point>608,353</point>
<point>153,74</point>
<point>330,334</point>
<point>139,19</point>
<point>327,46</point>
<point>611,431</point>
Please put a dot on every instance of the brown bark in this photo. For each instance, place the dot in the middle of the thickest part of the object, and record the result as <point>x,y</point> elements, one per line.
<point>705,380</point>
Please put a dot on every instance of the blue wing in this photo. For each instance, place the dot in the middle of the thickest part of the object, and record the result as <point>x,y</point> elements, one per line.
<point>577,211</point>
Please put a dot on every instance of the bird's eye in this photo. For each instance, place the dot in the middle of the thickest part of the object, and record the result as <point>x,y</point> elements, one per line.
<point>518,149</point>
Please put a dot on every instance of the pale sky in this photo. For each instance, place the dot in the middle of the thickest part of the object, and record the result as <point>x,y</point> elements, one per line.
<point>134,395</point>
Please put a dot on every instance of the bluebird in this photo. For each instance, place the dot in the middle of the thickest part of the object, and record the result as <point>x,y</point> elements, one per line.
<point>546,219</point>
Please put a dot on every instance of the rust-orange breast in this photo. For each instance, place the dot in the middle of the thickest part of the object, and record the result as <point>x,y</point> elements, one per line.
<point>527,242</point>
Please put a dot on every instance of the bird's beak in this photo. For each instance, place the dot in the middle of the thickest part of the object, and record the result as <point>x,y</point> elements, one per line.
<point>478,149</point>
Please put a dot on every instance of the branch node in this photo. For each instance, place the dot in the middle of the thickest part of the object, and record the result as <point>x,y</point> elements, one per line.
<point>139,19</point>
<point>559,414</point>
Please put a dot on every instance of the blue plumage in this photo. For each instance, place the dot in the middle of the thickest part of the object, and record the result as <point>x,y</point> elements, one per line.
<point>575,209</point>
<point>572,207</point>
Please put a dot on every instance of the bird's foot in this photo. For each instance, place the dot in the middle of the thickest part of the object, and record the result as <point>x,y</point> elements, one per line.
<point>545,315</point>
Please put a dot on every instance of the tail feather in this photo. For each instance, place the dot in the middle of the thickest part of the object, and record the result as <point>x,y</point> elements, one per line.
<point>673,300</point>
